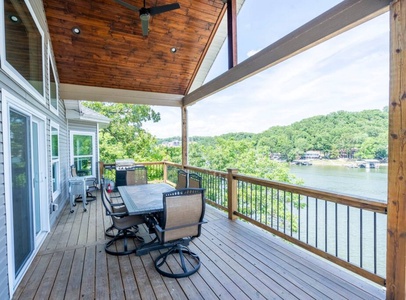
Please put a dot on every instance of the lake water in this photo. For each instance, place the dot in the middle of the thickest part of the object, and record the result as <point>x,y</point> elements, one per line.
<point>354,181</point>
<point>370,183</point>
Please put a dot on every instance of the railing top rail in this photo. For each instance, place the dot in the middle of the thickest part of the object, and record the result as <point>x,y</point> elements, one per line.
<point>173,164</point>
<point>144,163</point>
<point>207,171</point>
<point>197,169</point>
<point>353,201</point>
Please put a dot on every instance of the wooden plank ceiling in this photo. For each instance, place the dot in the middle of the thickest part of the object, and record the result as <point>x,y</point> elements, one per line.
<point>110,55</point>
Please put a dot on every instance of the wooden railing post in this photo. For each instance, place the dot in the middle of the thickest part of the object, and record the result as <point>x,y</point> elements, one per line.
<point>232,193</point>
<point>165,167</point>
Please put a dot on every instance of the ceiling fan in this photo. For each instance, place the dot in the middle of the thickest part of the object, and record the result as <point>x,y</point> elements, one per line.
<point>146,13</point>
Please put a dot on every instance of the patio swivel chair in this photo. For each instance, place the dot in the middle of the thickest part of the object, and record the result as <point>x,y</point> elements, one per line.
<point>124,224</point>
<point>182,219</point>
<point>195,181</point>
<point>116,207</point>
<point>182,180</point>
<point>137,175</point>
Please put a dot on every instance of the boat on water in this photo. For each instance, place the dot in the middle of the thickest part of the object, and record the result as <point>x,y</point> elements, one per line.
<point>369,164</point>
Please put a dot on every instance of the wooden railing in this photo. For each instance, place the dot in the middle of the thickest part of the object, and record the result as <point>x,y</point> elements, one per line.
<point>349,231</point>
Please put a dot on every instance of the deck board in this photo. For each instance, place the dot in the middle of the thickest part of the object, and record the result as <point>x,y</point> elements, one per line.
<point>239,261</point>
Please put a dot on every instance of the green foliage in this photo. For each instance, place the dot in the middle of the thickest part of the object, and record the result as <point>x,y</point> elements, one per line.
<point>125,137</point>
<point>246,155</point>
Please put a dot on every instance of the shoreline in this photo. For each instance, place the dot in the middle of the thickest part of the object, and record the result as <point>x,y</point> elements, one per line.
<point>340,162</point>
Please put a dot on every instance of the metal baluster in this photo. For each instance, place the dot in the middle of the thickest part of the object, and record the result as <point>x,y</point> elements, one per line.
<point>348,233</point>
<point>307,219</point>
<point>284,211</point>
<point>360,237</point>
<point>256,202</point>
<point>375,244</point>
<point>251,201</point>
<point>277,210</point>
<point>260,203</point>
<point>218,188</point>
<point>291,213</point>
<point>272,213</point>
<point>336,228</point>
<point>266,206</point>
<point>325,226</point>
<point>317,222</point>
<point>299,218</point>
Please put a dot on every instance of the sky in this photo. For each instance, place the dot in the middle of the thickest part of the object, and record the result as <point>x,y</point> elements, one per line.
<point>349,72</point>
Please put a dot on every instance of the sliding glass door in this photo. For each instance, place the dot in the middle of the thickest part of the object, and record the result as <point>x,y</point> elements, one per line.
<point>26,187</point>
<point>22,196</point>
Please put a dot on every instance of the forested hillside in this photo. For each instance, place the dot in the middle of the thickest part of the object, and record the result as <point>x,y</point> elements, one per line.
<point>358,135</point>
<point>348,134</point>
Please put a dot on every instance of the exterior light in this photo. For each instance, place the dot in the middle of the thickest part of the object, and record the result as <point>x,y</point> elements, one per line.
<point>14,19</point>
<point>76,30</point>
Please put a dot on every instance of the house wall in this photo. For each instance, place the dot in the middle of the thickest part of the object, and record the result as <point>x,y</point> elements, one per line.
<point>16,89</point>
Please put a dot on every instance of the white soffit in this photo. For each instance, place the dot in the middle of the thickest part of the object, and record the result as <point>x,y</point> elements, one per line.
<point>91,93</point>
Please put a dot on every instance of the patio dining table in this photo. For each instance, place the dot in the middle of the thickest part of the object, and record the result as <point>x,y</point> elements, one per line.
<point>146,200</point>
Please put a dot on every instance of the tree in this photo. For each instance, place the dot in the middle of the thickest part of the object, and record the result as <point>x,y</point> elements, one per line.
<point>125,137</point>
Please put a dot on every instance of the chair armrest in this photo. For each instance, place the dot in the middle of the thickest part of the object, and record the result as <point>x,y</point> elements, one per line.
<point>120,214</point>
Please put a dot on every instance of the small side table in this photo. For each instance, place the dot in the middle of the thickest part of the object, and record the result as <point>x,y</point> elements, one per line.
<point>77,186</point>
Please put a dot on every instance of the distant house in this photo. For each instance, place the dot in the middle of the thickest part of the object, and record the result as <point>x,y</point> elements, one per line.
<point>175,143</point>
<point>312,155</point>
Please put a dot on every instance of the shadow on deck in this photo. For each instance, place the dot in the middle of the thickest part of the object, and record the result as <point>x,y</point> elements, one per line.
<point>239,261</point>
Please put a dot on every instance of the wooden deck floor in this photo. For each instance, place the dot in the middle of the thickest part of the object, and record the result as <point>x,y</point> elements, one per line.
<point>239,261</point>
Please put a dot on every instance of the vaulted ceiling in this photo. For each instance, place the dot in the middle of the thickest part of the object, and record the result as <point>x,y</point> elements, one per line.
<point>110,59</point>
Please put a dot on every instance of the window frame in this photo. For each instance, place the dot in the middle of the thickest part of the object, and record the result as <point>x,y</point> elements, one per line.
<point>57,191</point>
<point>9,69</point>
<point>93,155</point>
<point>51,68</point>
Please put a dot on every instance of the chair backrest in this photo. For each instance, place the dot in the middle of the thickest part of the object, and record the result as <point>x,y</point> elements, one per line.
<point>73,171</point>
<point>195,181</point>
<point>183,214</point>
<point>137,175</point>
<point>182,180</point>
<point>106,199</point>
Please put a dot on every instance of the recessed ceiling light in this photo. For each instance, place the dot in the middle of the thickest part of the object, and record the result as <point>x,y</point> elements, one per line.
<point>76,30</point>
<point>173,49</point>
<point>14,19</point>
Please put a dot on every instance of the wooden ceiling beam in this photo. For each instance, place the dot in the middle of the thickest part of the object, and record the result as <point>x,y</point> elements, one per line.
<point>338,19</point>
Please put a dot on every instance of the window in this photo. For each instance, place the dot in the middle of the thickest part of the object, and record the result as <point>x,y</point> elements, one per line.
<point>83,151</point>
<point>22,52</point>
<point>55,159</point>
<point>53,86</point>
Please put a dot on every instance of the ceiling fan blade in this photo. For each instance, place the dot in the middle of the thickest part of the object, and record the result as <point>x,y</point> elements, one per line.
<point>129,6</point>
<point>145,24</point>
<point>163,8</point>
